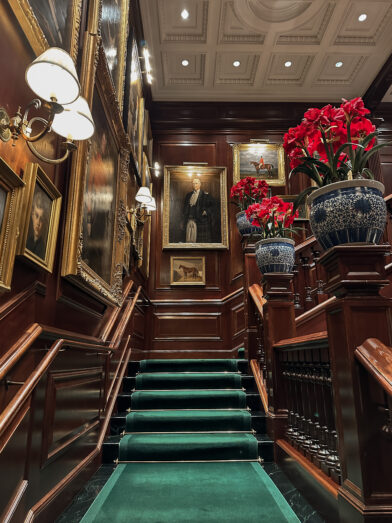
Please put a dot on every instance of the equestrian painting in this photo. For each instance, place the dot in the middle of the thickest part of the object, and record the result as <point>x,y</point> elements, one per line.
<point>187,270</point>
<point>262,160</point>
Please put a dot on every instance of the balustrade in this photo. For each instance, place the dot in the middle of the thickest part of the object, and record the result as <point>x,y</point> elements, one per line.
<point>306,377</point>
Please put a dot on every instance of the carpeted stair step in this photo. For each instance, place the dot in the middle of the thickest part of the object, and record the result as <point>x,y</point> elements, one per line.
<point>189,365</point>
<point>182,380</point>
<point>177,447</point>
<point>190,492</point>
<point>188,399</point>
<point>188,421</point>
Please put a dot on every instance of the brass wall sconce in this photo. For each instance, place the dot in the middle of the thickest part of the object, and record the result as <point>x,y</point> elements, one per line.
<point>145,204</point>
<point>156,169</point>
<point>52,76</point>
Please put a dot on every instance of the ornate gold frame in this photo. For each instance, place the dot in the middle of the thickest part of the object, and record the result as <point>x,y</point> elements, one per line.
<point>187,171</point>
<point>33,175</point>
<point>202,258</point>
<point>35,35</point>
<point>122,51</point>
<point>9,226</point>
<point>237,148</point>
<point>73,267</point>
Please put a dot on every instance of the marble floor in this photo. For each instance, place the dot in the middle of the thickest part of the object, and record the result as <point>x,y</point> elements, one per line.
<point>306,513</point>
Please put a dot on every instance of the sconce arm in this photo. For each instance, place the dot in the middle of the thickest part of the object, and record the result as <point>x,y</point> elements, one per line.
<point>21,125</point>
<point>70,147</point>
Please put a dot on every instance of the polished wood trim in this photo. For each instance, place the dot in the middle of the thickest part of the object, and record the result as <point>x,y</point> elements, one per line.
<point>18,349</point>
<point>119,332</point>
<point>257,373</point>
<point>13,303</point>
<point>377,360</point>
<point>256,292</point>
<point>308,339</point>
<point>315,311</point>
<point>380,85</point>
<point>14,502</point>
<point>104,334</point>
<point>208,301</point>
<point>325,481</point>
<point>307,243</point>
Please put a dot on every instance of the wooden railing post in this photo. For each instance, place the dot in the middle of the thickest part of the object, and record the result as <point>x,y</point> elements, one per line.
<point>355,274</point>
<point>279,323</point>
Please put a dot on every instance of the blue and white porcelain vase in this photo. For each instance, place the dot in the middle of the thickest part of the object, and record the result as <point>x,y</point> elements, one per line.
<point>275,255</point>
<point>351,211</point>
<point>244,225</point>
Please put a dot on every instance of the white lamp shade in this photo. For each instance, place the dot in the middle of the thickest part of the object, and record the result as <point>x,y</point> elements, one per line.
<point>53,76</point>
<point>75,122</point>
<point>152,206</point>
<point>143,195</point>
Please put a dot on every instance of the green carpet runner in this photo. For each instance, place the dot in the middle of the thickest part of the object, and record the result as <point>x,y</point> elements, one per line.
<point>189,454</point>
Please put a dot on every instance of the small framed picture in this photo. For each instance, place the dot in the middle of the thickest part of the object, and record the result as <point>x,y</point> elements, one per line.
<point>39,218</point>
<point>187,270</point>
<point>10,197</point>
<point>303,209</point>
<point>264,161</point>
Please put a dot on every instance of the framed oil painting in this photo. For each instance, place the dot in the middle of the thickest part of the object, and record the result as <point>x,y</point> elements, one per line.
<point>50,23</point>
<point>303,209</point>
<point>195,207</point>
<point>264,161</point>
<point>187,270</point>
<point>10,200</point>
<point>40,215</point>
<point>134,106</point>
<point>114,33</point>
<point>96,212</point>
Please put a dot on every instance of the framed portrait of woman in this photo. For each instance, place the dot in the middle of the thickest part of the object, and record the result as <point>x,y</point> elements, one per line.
<point>195,207</point>
<point>50,23</point>
<point>11,189</point>
<point>40,215</point>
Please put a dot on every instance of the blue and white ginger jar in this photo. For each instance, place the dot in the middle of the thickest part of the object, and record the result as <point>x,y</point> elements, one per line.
<point>275,255</point>
<point>351,211</point>
<point>244,225</point>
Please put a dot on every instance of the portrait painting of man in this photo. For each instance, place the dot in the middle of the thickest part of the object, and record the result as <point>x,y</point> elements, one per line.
<point>195,213</point>
<point>37,235</point>
<point>264,161</point>
<point>100,196</point>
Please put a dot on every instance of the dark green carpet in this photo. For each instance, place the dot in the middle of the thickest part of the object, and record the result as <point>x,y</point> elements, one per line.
<point>178,380</point>
<point>194,365</point>
<point>188,420</point>
<point>177,447</point>
<point>190,493</point>
<point>192,399</point>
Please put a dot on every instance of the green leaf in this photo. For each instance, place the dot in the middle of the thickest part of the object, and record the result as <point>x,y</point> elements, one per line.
<point>338,153</point>
<point>370,153</point>
<point>302,197</point>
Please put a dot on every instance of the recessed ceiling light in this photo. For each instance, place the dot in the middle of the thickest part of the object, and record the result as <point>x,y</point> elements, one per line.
<point>185,63</point>
<point>339,64</point>
<point>288,64</point>
<point>362,17</point>
<point>236,63</point>
<point>185,14</point>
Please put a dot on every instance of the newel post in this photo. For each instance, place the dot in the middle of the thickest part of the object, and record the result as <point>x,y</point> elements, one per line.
<point>355,274</point>
<point>279,324</point>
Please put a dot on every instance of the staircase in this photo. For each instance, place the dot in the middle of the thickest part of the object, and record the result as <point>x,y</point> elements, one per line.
<point>191,450</point>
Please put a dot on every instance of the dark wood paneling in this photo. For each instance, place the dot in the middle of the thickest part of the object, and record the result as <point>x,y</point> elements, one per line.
<point>187,326</point>
<point>237,320</point>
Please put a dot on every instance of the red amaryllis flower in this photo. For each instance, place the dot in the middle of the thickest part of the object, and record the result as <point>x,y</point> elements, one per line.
<point>354,108</point>
<point>360,128</point>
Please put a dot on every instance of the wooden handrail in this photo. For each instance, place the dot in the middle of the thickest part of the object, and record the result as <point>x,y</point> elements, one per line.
<point>13,355</point>
<point>314,311</point>
<point>309,341</point>
<point>260,384</point>
<point>119,332</point>
<point>256,293</point>
<point>377,360</point>
<point>114,314</point>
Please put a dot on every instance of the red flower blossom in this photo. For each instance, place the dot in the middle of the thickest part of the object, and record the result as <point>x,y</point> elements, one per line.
<point>354,108</point>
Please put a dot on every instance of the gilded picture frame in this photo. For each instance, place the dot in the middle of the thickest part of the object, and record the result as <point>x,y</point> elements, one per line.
<point>40,216</point>
<point>93,257</point>
<point>210,227</point>
<point>187,270</point>
<point>114,35</point>
<point>11,191</point>
<point>50,23</point>
<point>264,161</point>
<point>134,118</point>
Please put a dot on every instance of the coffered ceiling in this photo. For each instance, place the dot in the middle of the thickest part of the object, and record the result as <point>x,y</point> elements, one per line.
<point>263,35</point>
